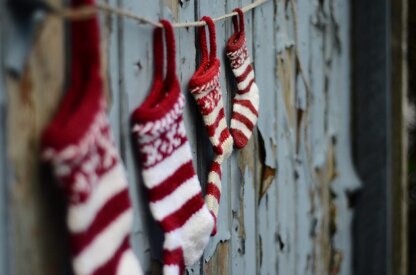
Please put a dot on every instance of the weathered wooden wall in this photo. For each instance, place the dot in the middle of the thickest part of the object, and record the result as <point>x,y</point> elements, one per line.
<point>284,208</point>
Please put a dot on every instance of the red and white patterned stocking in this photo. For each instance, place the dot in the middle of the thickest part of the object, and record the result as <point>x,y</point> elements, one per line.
<point>174,191</point>
<point>79,146</point>
<point>206,89</point>
<point>246,100</point>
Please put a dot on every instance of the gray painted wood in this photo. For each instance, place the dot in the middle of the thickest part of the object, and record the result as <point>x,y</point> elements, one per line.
<point>4,165</point>
<point>135,75</point>
<point>284,205</point>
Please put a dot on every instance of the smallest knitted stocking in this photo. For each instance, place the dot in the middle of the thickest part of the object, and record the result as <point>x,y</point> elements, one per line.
<point>206,89</point>
<point>246,100</point>
<point>174,191</point>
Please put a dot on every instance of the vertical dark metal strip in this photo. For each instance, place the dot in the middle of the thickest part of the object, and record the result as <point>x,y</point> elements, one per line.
<point>371,119</point>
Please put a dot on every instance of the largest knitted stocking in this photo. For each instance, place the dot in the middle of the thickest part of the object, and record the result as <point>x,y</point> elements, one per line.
<point>205,87</point>
<point>175,196</point>
<point>79,145</point>
<point>246,100</point>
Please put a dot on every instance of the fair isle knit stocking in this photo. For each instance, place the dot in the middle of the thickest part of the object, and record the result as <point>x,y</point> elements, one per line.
<point>175,196</point>
<point>84,159</point>
<point>205,87</point>
<point>246,100</point>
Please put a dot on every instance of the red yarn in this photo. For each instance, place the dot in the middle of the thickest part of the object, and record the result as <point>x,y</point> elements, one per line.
<point>175,195</point>
<point>206,89</point>
<point>246,99</point>
<point>240,21</point>
<point>212,39</point>
<point>209,67</point>
<point>79,146</point>
<point>164,93</point>
<point>85,95</point>
<point>237,39</point>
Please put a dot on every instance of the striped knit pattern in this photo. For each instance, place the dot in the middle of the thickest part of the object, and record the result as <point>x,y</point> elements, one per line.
<point>206,89</point>
<point>175,195</point>
<point>246,100</point>
<point>99,213</point>
<point>209,99</point>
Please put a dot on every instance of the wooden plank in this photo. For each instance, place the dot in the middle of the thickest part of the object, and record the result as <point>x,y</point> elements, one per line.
<point>110,59</point>
<point>4,164</point>
<point>213,9</point>
<point>263,34</point>
<point>36,211</point>
<point>286,130</point>
<point>307,213</point>
<point>135,76</point>
<point>243,179</point>
<point>398,137</point>
<point>346,181</point>
<point>319,148</point>
<point>411,40</point>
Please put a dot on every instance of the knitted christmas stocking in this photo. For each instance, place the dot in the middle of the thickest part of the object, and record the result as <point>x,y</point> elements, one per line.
<point>246,100</point>
<point>205,87</point>
<point>175,196</point>
<point>79,146</point>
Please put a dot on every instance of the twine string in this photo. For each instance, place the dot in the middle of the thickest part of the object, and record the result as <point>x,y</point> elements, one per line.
<point>85,12</point>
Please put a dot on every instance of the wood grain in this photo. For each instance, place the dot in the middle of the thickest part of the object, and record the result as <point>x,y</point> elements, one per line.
<point>285,205</point>
<point>36,211</point>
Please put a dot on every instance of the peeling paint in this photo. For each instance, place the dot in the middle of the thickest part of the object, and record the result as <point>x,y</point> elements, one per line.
<point>173,6</point>
<point>280,206</point>
<point>246,158</point>
<point>268,176</point>
<point>286,76</point>
<point>326,174</point>
<point>219,262</point>
<point>267,173</point>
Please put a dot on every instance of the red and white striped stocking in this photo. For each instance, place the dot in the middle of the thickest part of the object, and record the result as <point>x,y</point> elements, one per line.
<point>79,145</point>
<point>175,196</point>
<point>206,89</point>
<point>246,100</point>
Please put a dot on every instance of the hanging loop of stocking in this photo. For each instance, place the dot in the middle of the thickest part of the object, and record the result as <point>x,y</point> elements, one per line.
<point>84,97</point>
<point>158,55</point>
<point>158,52</point>
<point>212,41</point>
<point>165,89</point>
<point>170,50</point>
<point>238,23</point>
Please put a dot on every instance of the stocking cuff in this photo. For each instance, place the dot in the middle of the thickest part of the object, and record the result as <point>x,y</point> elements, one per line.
<point>236,42</point>
<point>205,79</point>
<point>70,130</point>
<point>159,119</point>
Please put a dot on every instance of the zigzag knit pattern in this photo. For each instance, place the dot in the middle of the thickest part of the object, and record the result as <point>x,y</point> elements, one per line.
<point>246,100</point>
<point>209,99</point>
<point>99,214</point>
<point>206,89</point>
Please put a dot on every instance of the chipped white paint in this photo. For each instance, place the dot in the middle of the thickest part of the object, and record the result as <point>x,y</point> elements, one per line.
<point>303,136</point>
